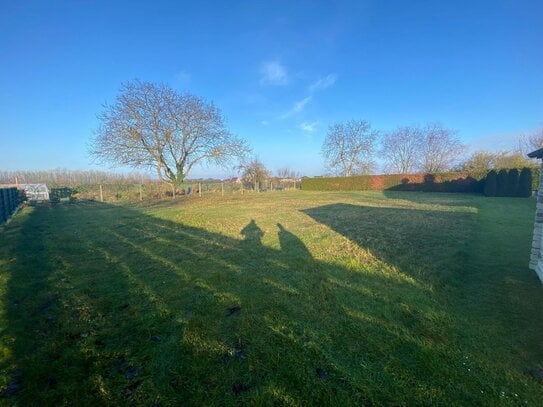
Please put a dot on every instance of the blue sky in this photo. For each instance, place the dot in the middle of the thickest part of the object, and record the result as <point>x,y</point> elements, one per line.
<point>280,71</point>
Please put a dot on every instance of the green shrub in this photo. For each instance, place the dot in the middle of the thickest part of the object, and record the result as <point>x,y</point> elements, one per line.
<point>512,182</point>
<point>58,193</point>
<point>525,183</point>
<point>355,183</point>
<point>501,183</point>
<point>491,184</point>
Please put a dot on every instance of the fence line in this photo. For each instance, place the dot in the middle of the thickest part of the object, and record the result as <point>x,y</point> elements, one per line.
<point>155,190</point>
<point>9,201</point>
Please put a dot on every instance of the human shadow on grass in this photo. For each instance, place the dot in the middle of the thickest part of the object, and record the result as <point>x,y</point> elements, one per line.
<point>107,305</point>
<point>252,234</point>
<point>291,245</point>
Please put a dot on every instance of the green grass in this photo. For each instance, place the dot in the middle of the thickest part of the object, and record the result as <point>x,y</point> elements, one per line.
<point>297,298</point>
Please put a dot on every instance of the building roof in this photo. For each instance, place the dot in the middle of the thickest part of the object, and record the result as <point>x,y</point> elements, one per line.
<point>536,153</point>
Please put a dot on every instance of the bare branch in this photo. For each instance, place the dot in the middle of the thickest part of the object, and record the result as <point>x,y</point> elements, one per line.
<point>441,149</point>
<point>152,125</point>
<point>348,147</point>
<point>401,149</point>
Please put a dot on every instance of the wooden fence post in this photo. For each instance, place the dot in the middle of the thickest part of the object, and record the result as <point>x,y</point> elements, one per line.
<point>101,194</point>
<point>200,189</point>
<point>141,192</point>
<point>222,188</point>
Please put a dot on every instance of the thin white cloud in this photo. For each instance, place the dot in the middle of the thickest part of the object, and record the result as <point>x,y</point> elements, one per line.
<point>320,84</point>
<point>323,83</point>
<point>300,105</point>
<point>264,122</point>
<point>297,107</point>
<point>308,127</point>
<point>273,73</point>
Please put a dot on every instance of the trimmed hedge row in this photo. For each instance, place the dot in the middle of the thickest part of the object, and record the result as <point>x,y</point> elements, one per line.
<point>440,182</point>
<point>503,183</point>
<point>509,183</point>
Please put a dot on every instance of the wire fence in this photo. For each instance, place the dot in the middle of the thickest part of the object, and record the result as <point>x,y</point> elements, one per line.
<point>9,201</point>
<point>157,190</point>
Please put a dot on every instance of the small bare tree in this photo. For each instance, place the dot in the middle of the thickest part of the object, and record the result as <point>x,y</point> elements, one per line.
<point>254,173</point>
<point>401,149</point>
<point>348,147</point>
<point>530,142</point>
<point>287,173</point>
<point>152,125</point>
<point>441,148</point>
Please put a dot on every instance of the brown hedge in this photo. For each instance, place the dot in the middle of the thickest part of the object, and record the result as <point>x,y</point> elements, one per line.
<point>440,182</point>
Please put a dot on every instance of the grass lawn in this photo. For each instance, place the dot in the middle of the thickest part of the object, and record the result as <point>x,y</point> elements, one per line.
<point>288,298</point>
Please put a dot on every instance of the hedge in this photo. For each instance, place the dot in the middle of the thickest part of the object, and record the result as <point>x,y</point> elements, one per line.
<point>509,183</point>
<point>525,183</point>
<point>511,188</point>
<point>501,183</point>
<point>491,183</point>
<point>440,182</point>
<point>9,201</point>
<point>504,183</point>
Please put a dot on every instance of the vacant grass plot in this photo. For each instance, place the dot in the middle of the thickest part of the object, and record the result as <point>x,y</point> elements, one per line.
<point>292,298</point>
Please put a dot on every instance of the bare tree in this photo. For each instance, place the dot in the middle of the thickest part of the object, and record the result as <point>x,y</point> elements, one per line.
<point>401,149</point>
<point>254,173</point>
<point>287,173</point>
<point>152,125</point>
<point>348,147</point>
<point>440,149</point>
<point>530,142</point>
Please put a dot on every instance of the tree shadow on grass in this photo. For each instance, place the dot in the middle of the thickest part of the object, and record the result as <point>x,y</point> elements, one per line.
<point>106,305</point>
<point>446,200</point>
<point>428,245</point>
